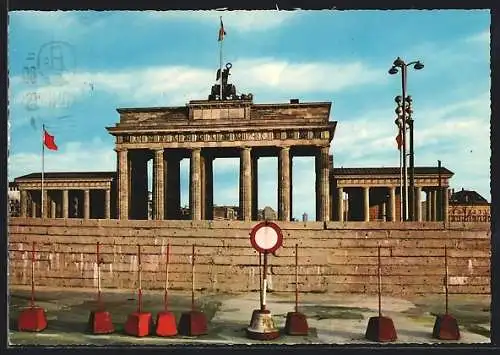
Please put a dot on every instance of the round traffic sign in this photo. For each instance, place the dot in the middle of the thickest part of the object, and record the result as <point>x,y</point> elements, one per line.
<point>266,237</point>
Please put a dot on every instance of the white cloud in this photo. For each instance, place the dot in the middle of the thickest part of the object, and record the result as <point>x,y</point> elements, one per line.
<point>461,121</point>
<point>64,25</point>
<point>175,85</point>
<point>45,19</point>
<point>241,21</point>
<point>482,37</point>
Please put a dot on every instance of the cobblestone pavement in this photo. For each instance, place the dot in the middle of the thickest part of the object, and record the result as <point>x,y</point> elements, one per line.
<point>332,319</point>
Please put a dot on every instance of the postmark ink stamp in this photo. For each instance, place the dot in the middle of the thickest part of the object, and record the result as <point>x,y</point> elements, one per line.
<point>54,59</point>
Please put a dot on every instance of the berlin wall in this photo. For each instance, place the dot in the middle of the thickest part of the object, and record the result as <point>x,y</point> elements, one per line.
<point>334,257</point>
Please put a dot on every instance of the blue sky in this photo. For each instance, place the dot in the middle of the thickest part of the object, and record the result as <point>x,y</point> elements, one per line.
<point>147,58</point>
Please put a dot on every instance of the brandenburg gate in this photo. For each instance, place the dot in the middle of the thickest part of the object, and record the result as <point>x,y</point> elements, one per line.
<point>205,130</point>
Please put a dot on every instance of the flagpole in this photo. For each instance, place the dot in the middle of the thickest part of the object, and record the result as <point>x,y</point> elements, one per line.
<point>43,168</point>
<point>220,57</point>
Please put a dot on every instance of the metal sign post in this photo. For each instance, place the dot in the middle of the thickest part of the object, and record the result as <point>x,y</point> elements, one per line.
<point>192,281</point>
<point>266,237</point>
<point>260,277</point>
<point>166,276</point>
<point>33,276</point>
<point>296,322</point>
<point>139,276</point>
<point>264,282</point>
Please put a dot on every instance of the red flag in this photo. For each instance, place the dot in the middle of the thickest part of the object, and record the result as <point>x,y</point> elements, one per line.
<point>399,140</point>
<point>49,141</point>
<point>222,33</point>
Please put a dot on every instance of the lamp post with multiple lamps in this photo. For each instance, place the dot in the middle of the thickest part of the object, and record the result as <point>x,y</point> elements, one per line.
<point>400,64</point>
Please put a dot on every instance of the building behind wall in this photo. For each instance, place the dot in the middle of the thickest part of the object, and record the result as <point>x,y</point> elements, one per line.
<point>14,203</point>
<point>468,206</point>
<point>374,193</point>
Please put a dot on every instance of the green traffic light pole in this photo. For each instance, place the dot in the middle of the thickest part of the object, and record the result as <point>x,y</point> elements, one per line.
<point>399,63</point>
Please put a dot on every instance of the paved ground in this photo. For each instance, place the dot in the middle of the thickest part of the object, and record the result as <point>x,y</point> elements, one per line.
<point>338,319</point>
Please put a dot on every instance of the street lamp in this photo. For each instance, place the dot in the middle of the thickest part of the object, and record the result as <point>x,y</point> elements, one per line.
<point>399,124</point>
<point>417,65</point>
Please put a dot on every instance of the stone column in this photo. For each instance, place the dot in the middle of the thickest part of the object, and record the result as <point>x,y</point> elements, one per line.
<point>86,204</point>
<point>65,204</point>
<point>347,202</point>
<point>316,184</point>
<point>45,204</point>
<point>208,183</point>
<point>195,185</point>
<point>446,205</point>
<point>418,204</point>
<point>33,209</point>
<point>284,184</point>
<point>23,203</point>
<point>366,203</point>
<point>255,188</point>
<point>107,203</point>
<point>158,185</point>
<point>245,184</point>
<point>290,174</point>
<point>52,209</point>
<point>439,205</point>
<point>392,203</point>
<point>123,183</point>
<point>340,204</point>
<point>202,186</point>
<point>323,183</point>
<point>434,205</point>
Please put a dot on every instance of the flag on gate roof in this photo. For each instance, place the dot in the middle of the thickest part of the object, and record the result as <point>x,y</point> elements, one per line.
<point>222,32</point>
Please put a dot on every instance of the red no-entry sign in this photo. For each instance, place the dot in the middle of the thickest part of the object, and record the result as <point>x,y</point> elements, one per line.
<point>266,237</point>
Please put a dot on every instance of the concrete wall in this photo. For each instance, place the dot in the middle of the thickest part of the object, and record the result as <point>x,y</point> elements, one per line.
<point>333,257</point>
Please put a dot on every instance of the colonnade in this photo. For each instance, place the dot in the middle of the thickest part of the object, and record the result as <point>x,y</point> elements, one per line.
<point>387,203</point>
<point>132,182</point>
<point>66,203</point>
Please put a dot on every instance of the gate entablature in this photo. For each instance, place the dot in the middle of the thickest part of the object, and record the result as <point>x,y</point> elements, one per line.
<point>202,124</point>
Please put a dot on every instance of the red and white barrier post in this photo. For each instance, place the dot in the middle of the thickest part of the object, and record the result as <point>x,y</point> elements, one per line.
<point>446,326</point>
<point>193,323</point>
<point>33,318</point>
<point>138,322</point>
<point>380,328</point>
<point>165,321</point>
<point>296,322</point>
<point>100,320</point>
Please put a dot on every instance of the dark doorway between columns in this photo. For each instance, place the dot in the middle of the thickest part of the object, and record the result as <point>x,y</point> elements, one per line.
<point>138,188</point>
<point>97,204</point>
